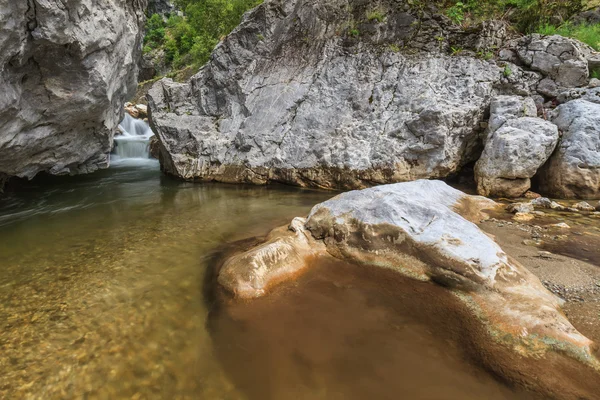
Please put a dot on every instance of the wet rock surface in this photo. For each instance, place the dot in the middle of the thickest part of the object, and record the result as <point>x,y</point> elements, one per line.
<point>67,69</point>
<point>422,230</point>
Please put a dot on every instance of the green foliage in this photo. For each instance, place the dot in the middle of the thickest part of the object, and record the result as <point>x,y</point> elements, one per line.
<point>485,55</point>
<point>376,15</point>
<point>354,32</point>
<point>190,39</point>
<point>507,71</point>
<point>589,34</point>
<point>155,32</point>
<point>457,12</point>
<point>394,48</point>
<point>456,50</point>
<point>595,74</point>
<point>526,15</point>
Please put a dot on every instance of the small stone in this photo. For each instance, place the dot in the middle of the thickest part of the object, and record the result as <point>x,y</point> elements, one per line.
<point>523,217</point>
<point>557,206</point>
<point>539,213</point>
<point>545,254</point>
<point>584,206</point>
<point>529,242</point>
<point>541,202</point>
<point>532,195</point>
<point>594,83</point>
<point>561,225</point>
<point>524,208</point>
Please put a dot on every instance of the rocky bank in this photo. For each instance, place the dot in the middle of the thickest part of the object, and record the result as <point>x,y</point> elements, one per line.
<point>66,69</point>
<point>325,94</point>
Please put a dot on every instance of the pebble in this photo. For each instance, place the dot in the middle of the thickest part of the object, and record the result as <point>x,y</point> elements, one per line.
<point>584,206</point>
<point>523,217</point>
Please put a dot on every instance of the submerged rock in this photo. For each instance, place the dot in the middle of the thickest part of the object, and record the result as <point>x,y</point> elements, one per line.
<point>66,70</point>
<point>423,230</point>
<point>573,171</point>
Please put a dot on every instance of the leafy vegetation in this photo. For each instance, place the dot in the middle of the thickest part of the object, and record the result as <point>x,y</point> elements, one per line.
<point>585,33</point>
<point>376,15</point>
<point>189,39</point>
<point>526,15</point>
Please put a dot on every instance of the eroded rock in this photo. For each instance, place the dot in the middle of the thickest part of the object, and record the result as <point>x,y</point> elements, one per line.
<point>66,69</point>
<point>563,61</point>
<point>291,96</point>
<point>422,230</point>
<point>518,144</point>
<point>573,171</point>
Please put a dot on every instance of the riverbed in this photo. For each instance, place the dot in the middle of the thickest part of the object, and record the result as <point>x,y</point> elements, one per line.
<point>103,294</point>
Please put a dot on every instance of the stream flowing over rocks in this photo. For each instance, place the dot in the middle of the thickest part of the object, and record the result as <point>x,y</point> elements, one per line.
<point>66,69</point>
<point>316,94</point>
<point>423,230</point>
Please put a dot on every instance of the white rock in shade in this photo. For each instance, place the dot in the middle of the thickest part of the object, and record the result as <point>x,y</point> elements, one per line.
<point>542,202</point>
<point>513,154</point>
<point>559,58</point>
<point>573,171</point>
<point>584,206</point>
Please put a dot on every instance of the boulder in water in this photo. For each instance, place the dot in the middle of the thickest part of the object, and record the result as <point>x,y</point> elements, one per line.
<point>424,230</point>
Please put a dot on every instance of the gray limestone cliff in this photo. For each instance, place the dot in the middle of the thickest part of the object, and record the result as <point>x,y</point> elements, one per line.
<point>350,94</point>
<point>324,94</point>
<point>66,69</point>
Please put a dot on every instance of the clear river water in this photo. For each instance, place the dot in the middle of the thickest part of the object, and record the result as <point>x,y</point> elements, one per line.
<point>104,293</point>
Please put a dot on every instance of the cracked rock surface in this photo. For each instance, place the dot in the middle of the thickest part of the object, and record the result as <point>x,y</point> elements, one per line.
<point>573,171</point>
<point>292,96</point>
<point>66,69</point>
<point>518,144</point>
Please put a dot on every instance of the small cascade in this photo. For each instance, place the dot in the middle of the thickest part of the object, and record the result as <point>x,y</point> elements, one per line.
<point>134,142</point>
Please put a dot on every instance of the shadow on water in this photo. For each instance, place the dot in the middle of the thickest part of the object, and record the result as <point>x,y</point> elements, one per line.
<point>343,332</point>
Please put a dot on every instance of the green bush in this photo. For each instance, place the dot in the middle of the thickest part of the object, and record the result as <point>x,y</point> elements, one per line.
<point>155,32</point>
<point>190,39</point>
<point>589,34</point>
<point>526,15</point>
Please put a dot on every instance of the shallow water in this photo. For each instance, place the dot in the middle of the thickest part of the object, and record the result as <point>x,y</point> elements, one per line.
<point>102,295</point>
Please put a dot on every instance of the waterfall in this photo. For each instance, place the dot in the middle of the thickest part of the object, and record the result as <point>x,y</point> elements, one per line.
<point>134,143</point>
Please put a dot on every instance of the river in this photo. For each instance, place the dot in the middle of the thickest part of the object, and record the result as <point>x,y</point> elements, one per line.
<point>103,295</point>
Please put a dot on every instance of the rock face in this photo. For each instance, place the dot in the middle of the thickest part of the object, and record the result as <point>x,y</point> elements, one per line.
<point>316,94</point>
<point>518,144</point>
<point>562,61</point>
<point>162,7</point>
<point>573,171</point>
<point>323,94</point>
<point>422,230</point>
<point>66,70</point>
